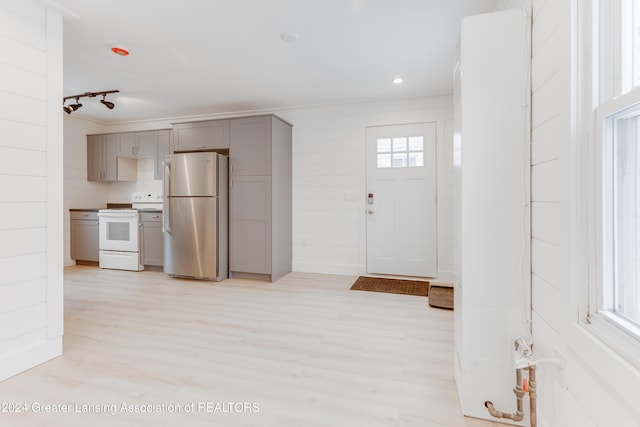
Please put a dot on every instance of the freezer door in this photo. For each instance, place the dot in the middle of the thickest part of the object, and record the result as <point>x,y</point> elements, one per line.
<point>191,174</point>
<point>191,239</point>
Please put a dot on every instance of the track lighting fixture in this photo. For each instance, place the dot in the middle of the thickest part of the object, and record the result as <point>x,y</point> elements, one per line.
<point>108,104</point>
<point>73,107</point>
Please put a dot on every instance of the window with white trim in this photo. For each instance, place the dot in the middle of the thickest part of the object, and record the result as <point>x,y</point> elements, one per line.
<point>614,299</point>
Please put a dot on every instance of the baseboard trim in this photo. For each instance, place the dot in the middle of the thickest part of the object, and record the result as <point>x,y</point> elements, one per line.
<point>29,357</point>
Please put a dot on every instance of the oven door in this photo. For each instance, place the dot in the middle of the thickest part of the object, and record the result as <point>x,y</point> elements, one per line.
<point>118,231</point>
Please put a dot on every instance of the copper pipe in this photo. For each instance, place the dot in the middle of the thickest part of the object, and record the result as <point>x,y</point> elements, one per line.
<point>533,396</point>
<point>519,392</point>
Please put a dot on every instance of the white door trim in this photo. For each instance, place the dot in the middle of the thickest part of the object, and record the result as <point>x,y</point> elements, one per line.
<point>392,246</point>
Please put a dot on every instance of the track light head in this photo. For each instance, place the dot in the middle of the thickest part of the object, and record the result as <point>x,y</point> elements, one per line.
<point>66,109</point>
<point>108,104</point>
<point>75,106</point>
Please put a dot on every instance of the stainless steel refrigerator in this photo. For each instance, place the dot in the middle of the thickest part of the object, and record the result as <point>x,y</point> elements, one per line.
<point>195,216</point>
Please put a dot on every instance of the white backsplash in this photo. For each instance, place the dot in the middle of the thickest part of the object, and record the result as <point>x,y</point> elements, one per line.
<point>120,192</point>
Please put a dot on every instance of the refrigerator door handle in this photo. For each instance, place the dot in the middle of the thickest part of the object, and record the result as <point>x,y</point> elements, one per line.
<point>166,210</point>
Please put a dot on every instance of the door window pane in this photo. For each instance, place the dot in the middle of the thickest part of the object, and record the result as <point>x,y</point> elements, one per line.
<point>416,159</point>
<point>399,160</point>
<point>416,143</point>
<point>384,160</point>
<point>384,145</point>
<point>399,144</point>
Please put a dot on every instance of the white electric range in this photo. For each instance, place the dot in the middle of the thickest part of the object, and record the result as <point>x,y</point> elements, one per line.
<point>119,232</point>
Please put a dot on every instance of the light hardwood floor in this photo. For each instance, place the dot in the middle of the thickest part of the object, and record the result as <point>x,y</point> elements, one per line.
<point>305,351</point>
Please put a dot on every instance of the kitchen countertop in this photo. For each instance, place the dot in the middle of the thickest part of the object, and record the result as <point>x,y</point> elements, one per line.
<point>112,207</point>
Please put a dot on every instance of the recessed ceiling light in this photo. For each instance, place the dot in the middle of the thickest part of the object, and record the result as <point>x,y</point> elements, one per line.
<point>289,37</point>
<point>119,50</point>
<point>398,80</point>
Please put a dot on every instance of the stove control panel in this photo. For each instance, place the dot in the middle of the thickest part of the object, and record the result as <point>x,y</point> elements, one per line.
<point>142,200</point>
<point>140,197</point>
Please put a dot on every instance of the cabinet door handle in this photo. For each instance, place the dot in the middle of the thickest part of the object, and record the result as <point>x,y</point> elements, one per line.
<point>141,240</point>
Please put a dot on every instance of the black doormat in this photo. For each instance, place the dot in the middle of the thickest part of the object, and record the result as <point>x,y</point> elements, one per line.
<point>391,286</point>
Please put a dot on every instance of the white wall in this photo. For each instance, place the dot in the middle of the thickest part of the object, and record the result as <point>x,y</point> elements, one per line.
<point>31,310</point>
<point>328,162</point>
<point>492,227</point>
<point>594,387</point>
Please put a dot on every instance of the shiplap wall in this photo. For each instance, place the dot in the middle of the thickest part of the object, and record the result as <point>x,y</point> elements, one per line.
<point>328,163</point>
<point>329,227</point>
<point>30,185</point>
<point>592,387</point>
<point>550,177</point>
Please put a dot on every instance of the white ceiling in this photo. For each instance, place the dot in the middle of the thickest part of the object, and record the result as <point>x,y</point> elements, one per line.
<point>197,57</point>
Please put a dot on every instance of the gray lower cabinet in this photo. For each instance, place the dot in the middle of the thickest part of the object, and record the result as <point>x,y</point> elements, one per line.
<point>201,136</point>
<point>84,236</point>
<point>250,225</point>
<point>260,236</point>
<point>152,238</point>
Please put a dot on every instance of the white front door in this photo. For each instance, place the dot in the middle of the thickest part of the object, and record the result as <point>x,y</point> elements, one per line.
<point>401,200</point>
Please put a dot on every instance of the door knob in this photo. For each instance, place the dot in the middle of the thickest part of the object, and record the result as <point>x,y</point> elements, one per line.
<point>370,212</point>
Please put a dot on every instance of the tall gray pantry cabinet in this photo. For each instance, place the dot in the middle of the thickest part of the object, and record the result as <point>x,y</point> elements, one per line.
<point>260,197</point>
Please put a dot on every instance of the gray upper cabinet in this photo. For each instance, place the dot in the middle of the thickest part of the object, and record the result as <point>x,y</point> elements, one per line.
<point>201,136</point>
<point>113,157</point>
<point>146,144</point>
<point>260,198</point>
<point>102,158</point>
<point>251,146</point>
<point>136,144</point>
